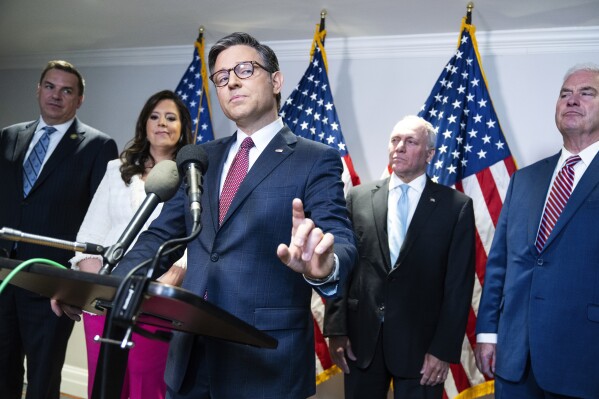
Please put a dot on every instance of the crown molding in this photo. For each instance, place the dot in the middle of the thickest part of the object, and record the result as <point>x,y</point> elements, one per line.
<point>513,42</point>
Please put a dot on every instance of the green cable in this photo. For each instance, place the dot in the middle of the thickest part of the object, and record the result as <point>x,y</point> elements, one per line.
<point>24,264</point>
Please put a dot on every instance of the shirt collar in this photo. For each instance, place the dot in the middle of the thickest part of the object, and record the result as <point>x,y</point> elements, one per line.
<point>261,137</point>
<point>62,128</point>
<point>417,184</point>
<point>587,155</point>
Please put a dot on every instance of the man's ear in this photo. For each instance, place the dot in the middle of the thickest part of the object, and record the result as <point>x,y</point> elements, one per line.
<point>277,81</point>
<point>431,154</point>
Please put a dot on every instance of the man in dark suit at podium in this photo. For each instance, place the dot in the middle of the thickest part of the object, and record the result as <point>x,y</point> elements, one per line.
<point>49,171</point>
<point>239,262</point>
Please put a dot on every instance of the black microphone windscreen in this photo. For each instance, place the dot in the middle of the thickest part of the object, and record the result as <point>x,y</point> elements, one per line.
<point>163,180</point>
<point>192,153</point>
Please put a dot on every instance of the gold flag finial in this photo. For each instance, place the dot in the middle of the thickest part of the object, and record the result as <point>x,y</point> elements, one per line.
<point>469,8</point>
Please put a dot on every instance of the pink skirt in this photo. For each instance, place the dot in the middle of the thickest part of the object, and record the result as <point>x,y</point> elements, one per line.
<point>144,378</point>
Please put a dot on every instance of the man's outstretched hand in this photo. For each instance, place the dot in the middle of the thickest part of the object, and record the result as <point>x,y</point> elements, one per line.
<point>310,251</point>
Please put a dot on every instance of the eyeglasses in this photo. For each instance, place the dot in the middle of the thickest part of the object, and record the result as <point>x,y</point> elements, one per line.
<point>243,70</point>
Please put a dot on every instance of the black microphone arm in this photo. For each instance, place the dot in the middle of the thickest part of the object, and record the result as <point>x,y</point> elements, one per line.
<point>19,236</point>
<point>161,185</point>
<point>192,162</point>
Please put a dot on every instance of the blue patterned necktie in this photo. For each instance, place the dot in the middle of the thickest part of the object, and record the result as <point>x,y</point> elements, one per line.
<point>398,234</point>
<point>33,163</point>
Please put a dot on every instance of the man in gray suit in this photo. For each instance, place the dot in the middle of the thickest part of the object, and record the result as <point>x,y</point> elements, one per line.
<point>404,314</point>
<point>538,319</point>
<point>49,171</point>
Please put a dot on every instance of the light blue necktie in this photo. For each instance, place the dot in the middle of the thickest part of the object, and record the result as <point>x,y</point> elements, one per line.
<point>399,233</point>
<point>33,163</point>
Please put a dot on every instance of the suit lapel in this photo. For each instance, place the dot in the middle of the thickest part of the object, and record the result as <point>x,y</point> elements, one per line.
<point>426,205</point>
<point>22,141</point>
<point>217,156</point>
<point>379,210</point>
<point>585,186</point>
<point>279,148</point>
<point>536,195</point>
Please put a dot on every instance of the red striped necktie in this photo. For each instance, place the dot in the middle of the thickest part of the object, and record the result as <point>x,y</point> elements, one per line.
<point>556,202</point>
<point>237,171</point>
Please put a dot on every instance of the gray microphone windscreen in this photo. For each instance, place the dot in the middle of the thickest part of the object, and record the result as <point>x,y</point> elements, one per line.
<point>192,153</point>
<point>163,180</point>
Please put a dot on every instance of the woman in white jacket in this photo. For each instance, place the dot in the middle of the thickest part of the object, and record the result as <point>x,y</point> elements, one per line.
<point>163,127</point>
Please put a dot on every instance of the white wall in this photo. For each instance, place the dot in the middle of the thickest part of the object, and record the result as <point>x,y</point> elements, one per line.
<point>375,81</point>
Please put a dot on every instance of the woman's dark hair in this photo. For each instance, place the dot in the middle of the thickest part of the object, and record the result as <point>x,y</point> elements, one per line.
<point>137,151</point>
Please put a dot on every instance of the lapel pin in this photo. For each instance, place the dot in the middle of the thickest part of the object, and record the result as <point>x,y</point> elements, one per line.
<point>432,200</point>
<point>73,136</point>
<point>279,150</point>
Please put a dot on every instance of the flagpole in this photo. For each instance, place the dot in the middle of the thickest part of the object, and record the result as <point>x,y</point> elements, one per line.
<point>201,33</point>
<point>323,15</point>
<point>200,46</point>
<point>469,8</point>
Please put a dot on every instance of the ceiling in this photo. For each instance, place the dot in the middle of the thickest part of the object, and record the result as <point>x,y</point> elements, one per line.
<point>29,27</point>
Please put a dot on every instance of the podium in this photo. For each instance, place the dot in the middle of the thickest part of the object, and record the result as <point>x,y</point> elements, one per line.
<point>163,305</point>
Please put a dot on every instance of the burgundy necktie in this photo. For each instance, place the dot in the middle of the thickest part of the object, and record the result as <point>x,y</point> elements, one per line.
<point>237,171</point>
<point>558,197</point>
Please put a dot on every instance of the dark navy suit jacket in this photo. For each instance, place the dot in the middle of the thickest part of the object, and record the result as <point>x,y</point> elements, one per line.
<point>237,267</point>
<point>58,201</point>
<point>546,305</point>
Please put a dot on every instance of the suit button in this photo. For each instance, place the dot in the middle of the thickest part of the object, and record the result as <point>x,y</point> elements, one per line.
<point>214,257</point>
<point>540,261</point>
<point>382,308</point>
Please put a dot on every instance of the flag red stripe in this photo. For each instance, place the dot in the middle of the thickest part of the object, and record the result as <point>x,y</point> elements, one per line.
<point>490,193</point>
<point>481,259</point>
<point>459,376</point>
<point>510,165</point>
<point>321,348</point>
<point>355,179</point>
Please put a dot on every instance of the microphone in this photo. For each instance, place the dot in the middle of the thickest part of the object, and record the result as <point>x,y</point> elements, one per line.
<point>16,235</point>
<point>161,185</point>
<point>192,162</point>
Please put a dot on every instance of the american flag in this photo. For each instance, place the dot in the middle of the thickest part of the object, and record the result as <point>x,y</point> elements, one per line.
<point>472,155</point>
<point>310,112</point>
<point>193,91</point>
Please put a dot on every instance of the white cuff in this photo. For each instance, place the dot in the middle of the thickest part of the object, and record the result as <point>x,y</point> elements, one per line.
<point>79,256</point>
<point>486,338</point>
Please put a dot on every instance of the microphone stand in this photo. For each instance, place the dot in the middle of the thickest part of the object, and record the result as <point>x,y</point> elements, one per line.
<point>18,236</point>
<point>121,319</point>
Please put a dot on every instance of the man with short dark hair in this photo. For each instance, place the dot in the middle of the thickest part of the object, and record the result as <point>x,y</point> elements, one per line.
<point>260,184</point>
<point>49,171</point>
